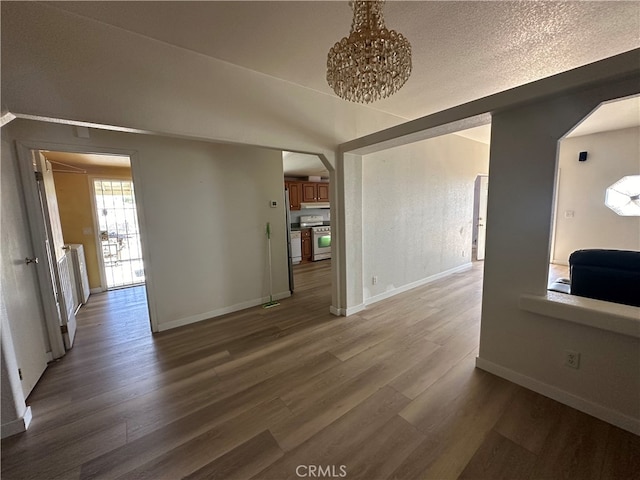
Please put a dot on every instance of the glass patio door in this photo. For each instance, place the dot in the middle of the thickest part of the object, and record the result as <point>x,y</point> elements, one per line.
<point>119,233</point>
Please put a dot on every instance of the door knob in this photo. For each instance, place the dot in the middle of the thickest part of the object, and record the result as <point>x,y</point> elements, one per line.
<point>31,260</point>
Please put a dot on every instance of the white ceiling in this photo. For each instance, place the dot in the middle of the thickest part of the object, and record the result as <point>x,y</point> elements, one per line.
<point>461,50</point>
<point>614,115</point>
<point>303,165</point>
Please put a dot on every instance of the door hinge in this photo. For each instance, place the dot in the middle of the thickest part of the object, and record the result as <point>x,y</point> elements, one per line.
<point>39,176</point>
<point>20,373</point>
<point>64,329</point>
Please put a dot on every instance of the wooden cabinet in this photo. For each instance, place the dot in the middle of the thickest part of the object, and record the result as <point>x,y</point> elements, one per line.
<point>315,192</point>
<point>323,192</point>
<point>307,250</point>
<point>307,192</point>
<point>295,194</point>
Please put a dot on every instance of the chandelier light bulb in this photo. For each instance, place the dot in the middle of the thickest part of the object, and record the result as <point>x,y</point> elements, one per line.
<point>372,62</point>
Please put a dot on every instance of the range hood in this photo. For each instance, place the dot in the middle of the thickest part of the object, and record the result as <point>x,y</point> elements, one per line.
<point>315,205</point>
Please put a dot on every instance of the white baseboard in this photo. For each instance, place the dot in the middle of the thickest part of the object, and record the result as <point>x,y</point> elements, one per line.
<point>353,310</point>
<point>345,312</point>
<point>599,411</point>
<point>220,311</point>
<point>418,283</point>
<point>97,290</point>
<point>17,426</point>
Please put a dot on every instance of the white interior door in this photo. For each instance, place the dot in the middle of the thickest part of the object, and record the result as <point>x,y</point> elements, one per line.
<point>482,216</point>
<point>57,255</point>
<point>23,317</point>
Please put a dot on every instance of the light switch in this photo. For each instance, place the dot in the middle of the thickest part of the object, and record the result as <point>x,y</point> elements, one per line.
<point>87,231</point>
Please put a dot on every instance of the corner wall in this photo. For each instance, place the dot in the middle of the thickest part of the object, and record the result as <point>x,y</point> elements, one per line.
<point>526,347</point>
<point>417,209</point>
<point>581,192</point>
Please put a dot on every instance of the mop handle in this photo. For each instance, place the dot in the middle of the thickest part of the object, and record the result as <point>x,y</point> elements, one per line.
<point>269,253</point>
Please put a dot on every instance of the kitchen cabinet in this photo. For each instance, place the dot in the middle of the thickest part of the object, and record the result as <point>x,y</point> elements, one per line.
<point>323,192</point>
<point>315,192</point>
<point>307,250</point>
<point>309,192</point>
<point>295,194</point>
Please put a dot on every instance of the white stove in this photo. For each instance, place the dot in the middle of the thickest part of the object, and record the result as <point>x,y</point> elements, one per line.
<point>320,236</point>
<point>311,220</point>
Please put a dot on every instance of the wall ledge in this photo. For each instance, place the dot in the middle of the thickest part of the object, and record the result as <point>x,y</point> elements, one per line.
<point>606,414</point>
<point>612,317</point>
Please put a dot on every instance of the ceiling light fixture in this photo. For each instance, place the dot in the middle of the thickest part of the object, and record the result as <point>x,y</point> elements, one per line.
<point>372,62</point>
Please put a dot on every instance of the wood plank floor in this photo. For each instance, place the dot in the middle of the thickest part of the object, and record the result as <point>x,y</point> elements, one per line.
<point>292,392</point>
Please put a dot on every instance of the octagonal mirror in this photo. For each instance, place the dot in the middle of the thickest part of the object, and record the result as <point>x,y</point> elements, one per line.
<point>623,197</point>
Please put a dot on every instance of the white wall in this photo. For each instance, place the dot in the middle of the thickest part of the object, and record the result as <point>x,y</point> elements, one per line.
<point>417,209</point>
<point>205,208</point>
<point>582,185</point>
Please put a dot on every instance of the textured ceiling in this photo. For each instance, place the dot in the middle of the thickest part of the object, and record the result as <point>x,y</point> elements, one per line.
<point>461,50</point>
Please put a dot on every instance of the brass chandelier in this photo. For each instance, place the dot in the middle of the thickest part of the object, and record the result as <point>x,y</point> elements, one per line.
<point>372,62</point>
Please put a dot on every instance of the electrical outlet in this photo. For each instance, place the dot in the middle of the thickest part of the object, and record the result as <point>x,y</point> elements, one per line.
<point>572,359</point>
<point>374,280</point>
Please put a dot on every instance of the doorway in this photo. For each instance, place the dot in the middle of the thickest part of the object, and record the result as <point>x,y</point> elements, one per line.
<point>119,233</point>
<point>481,191</point>
<point>66,230</point>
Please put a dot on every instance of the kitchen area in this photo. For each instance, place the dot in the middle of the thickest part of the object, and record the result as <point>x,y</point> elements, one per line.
<point>306,186</point>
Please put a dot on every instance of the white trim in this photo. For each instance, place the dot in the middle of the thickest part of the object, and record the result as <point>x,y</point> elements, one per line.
<point>335,311</point>
<point>98,290</point>
<point>136,178</point>
<point>353,310</point>
<point>418,283</point>
<point>613,417</point>
<point>220,311</point>
<point>6,118</point>
<point>17,426</point>
<point>556,196</point>
<point>612,317</point>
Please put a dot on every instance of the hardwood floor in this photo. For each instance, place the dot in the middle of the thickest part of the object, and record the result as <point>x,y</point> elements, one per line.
<point>294,392</point>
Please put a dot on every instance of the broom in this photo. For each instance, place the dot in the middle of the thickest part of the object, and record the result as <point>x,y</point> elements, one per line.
<point>271,302</point>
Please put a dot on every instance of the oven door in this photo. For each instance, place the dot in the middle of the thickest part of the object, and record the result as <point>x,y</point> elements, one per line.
<point>321,245</point>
